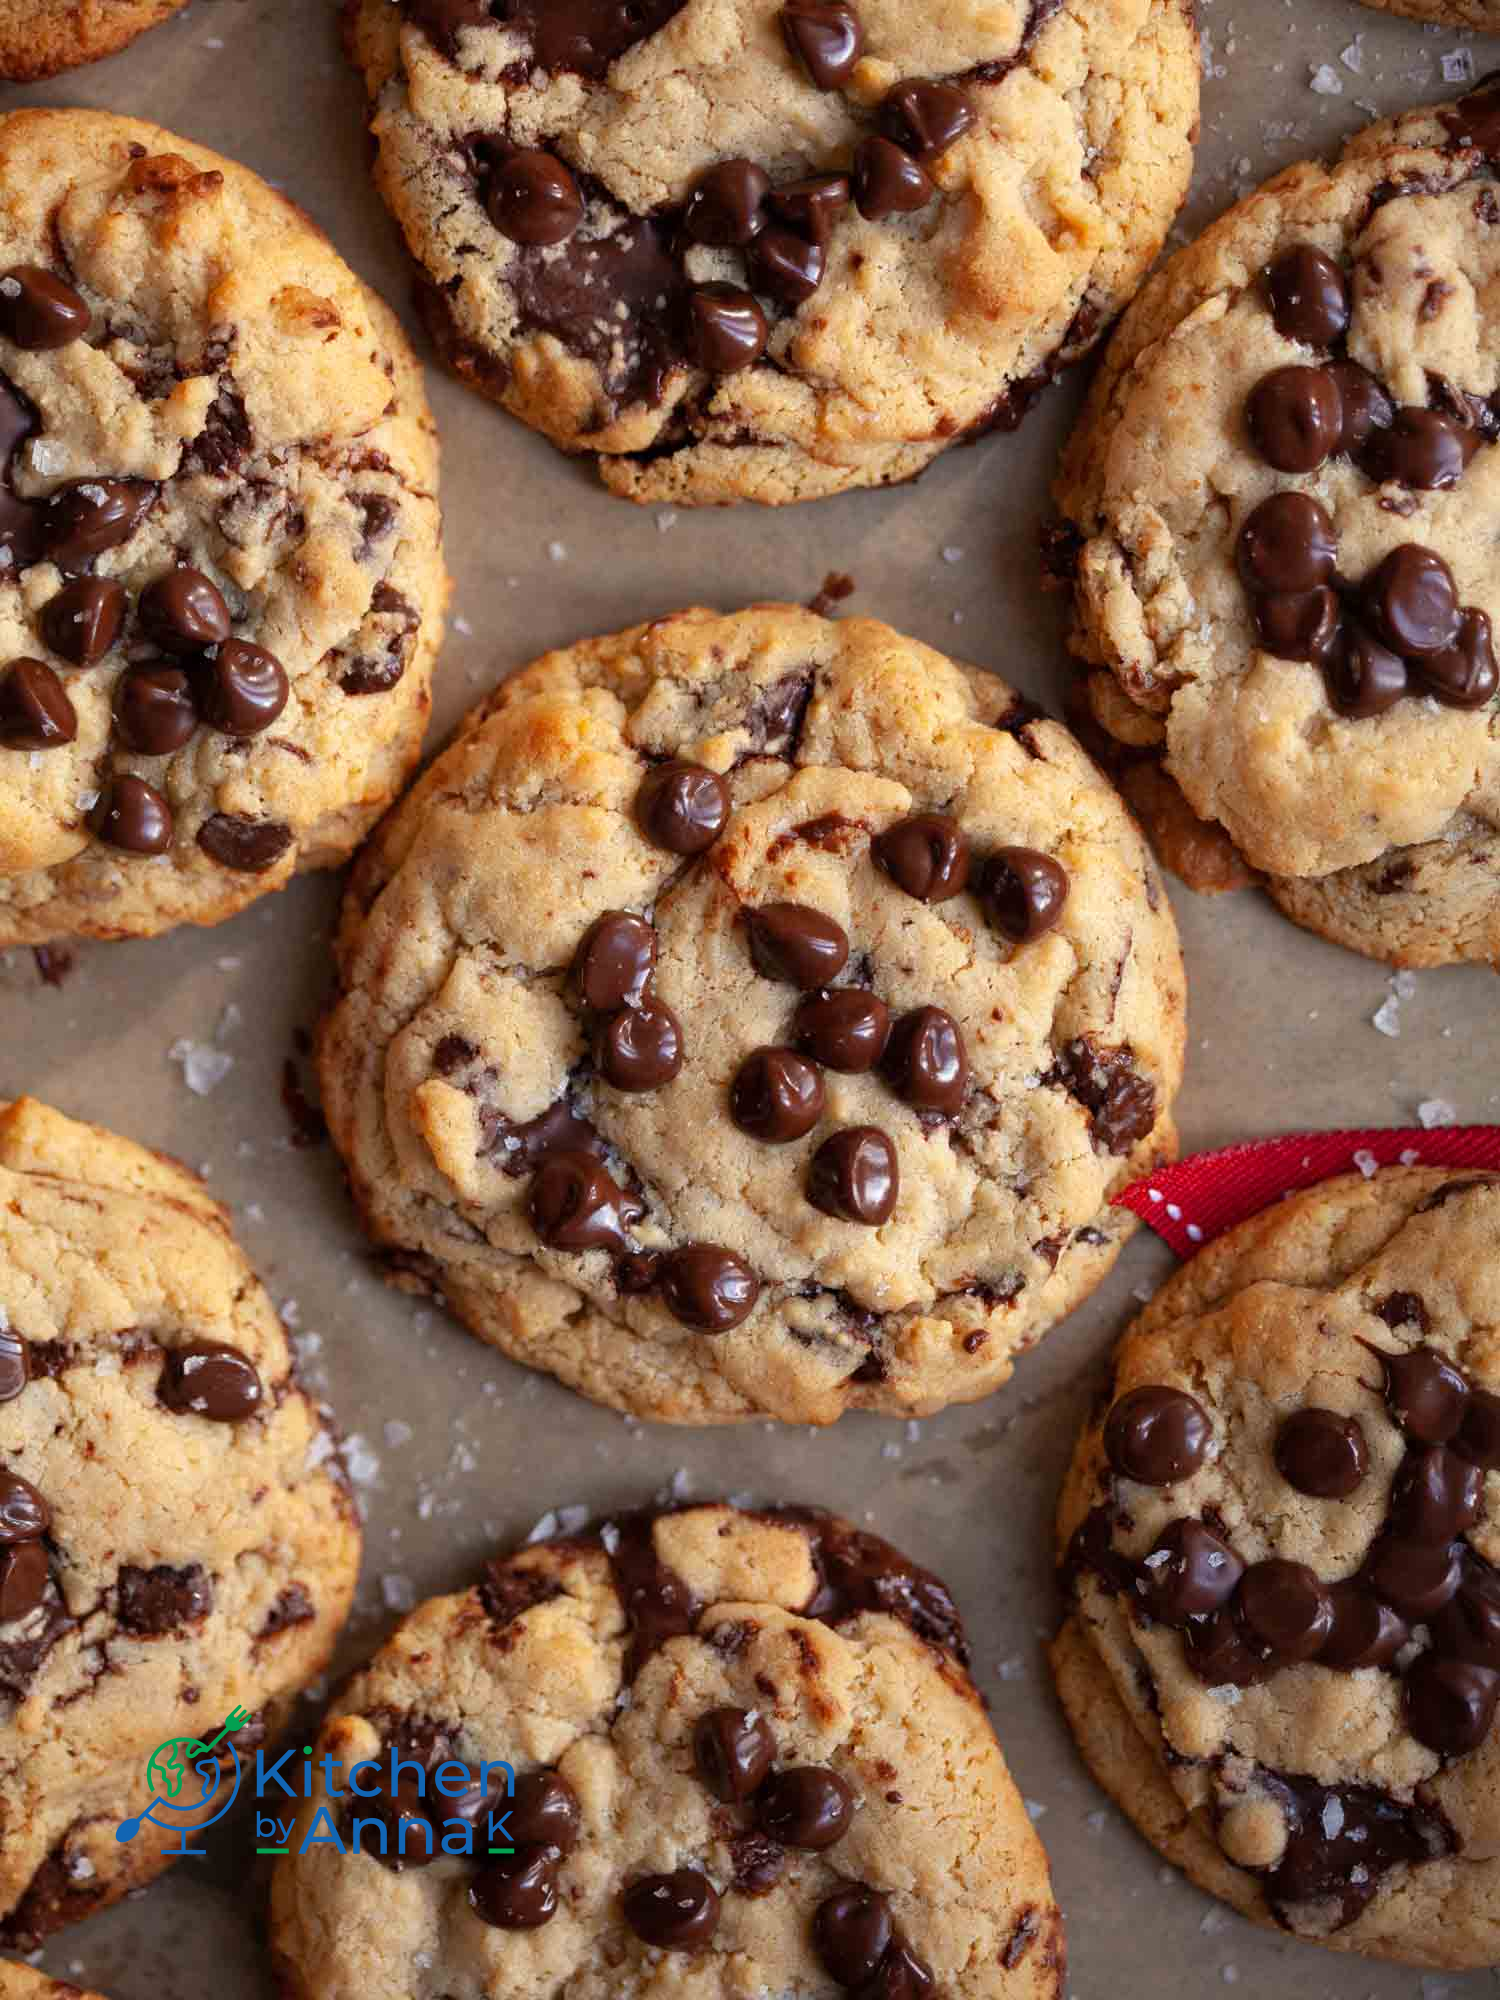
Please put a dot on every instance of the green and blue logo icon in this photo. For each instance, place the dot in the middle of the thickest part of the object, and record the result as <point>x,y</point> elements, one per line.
<point>170,1771</point>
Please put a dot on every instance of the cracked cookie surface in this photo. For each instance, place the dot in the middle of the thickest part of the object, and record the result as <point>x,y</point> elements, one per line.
<point>1326,351</point>
<point>561,182</point>
<point>673,1051</point>
<point>768,1711</point>
<point>221,585</point>
<point>1282,1648</point>
<point>43,37</point>
<point>174,1543</point>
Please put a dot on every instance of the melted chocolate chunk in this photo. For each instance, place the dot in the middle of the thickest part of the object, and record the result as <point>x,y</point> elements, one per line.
<point>24,1514</point>
<point>708,1288</point>
<point>759,1863</point>
<point>613,298</point>
<point>790,942</point>
<point>1298,626</point>
<point>24,1580</point>
<point>786,266</point>
<point>812,207</point>
<point>1322,1453</point>
<point>726,328</point>
<point>545,1812</point>
<point>15,1366</point>
<point>20,520</point>
<point>1023,892</point>
<point>19,1660</point>
<point>1365,678</point>
<point>1424,1392</point>
<point>92,516</point>
<point>639,1048</point>
<point>517,1892</point>
<point>1463,675</point>
<point>35,712</point>
<point>1287,544</point>
<point>1418,448</point>
<point>852,1930</point>
<point>1411,601</point>
<point>1371,1834</point>
<point>861,1572</point>
<point>133,816</point>
<point>208,1379</point>
<point>576,1204</point>
<point>725,207</point>
<point>1284,1610</point>
<point>184,611</point>
<point>240,688</point>
<point>1189,1573</point>
<point>855,1176</point>
<point>40,311</point>
<point>585,36</point>
<point>250,846</point>
<point>155,713</point>
<point>826,38</point>
<point>1450,1704</point>
<point>1295,417</point>
<point>532,198</point>
<point>925,119</point>
<point>682,807</point>
<point>154,1602</point>
<point>805,1806</point>
<point>521,1148</point>
<point>1120,1101</point>
<point>656,1602</point>
<point>734,1749</point>
<point>888,181</point>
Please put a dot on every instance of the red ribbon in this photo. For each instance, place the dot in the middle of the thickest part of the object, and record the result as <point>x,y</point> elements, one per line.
<point>1191,1203</point>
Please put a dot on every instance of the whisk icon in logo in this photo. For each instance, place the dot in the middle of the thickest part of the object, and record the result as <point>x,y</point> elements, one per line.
<point>216,1765</point>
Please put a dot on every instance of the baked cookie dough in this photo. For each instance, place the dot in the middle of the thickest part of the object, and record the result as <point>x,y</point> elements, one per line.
<point>221,586</point>
<point>755,1015</point>
<point>1282,1649</point>
<point>1481,14</point>
<point>175,1545</point>
<point>748,1759</point>
<point>1278,503</point>
<point>20,1982</point>
<point>741,250</point>
<point>42,37</point>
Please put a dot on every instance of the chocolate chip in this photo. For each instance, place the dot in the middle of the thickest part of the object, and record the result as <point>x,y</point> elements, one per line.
<point>925,855</point>
<point>676,1912</point>
<point>759,1864</point>
<point>1416,1578</point>
<point>1478,1439</point>
<point>1023,892</point>
<point>734,1749</point>
<point>1190,1572</point>
<point>408,1838</point>
<point>1288,543</point>
<point>15,1367</point>
<point>795,944</point>
<point>250,846</point>
<point>1322,1453</point>
<point>133,816</point>
<point>825,39</point>
<point>1120,1101</point>
<point>1464,674</point>
<point>1156,1435</point>
<point>576,1204</point>
<point>545,1812</point>
<point>682,807</point>
<point>640,1048</point>
<point>240,688</point>
<point>209,1379</point>
<point>532,198</point>
<point>852,1930</point>
<point>843,1027</point>
<point>1450,1704</point>
<point>812,206</point>
<point>707,1287</point>
<point>726,328</point>
<point>1309,297</point>
<point>1435,1494</point>
<point>901,1975</point>
<point>614,963</point>
<point>1219,1655</point>
<point>1364,677</point>
<point>20,520</point>
<point>787,266</point>
<point>24,1577</point>
<point>1295,418</point>
<point>1284,1609</point>
<point>1300,626</point>
<point>724,207</point>
<point>83,620</point>
<point>84,520</point>
<point>40,311</point>
<point>806,1806</point>
<point>855,1175</point>
<point>776,1096</point>
<point>925,1062</point>
<point>925,119</point>
<point>154,1602</point>
<point>586,36</point>
<point>517,1892</point>
<point>184,611</point>
<point>888,181</point>
<point>1412,601</point>
<point>1365,1632</point>
<point>1419,448</point>
<point>1468,1625</point>
<point>154,710</point>
<point>1365,404</point>
<point>35,712</point>
<point>1425,1393</point>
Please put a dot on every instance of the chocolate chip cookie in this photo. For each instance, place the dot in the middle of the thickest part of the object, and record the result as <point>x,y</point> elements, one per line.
<point>747,1758</point>
<point>42,37</point>
<point>746,250</point>
<point>755,1015</point>
<point>1281,1536</point>
<point>20,1982</point>
<point>1278,505</point>
<point>176,1554</point>
<point>221,587</point>
<point>1481,14</point>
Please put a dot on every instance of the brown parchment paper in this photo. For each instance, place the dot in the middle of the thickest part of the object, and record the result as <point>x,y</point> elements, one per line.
<point>454,1451</point>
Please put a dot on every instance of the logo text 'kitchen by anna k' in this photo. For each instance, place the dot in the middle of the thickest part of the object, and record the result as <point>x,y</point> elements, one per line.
<point>390,1806</point>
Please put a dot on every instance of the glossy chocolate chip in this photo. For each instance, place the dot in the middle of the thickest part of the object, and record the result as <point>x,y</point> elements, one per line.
<point>1412,601</point>
<point>1284,1609</point>
<point>1023,892</point>
<point>1435,1494</point>
<point>1478,1438</point>
<point>209,1379</point>
<point>725,208</point>
<point>776,1096</point>
<point>545,1812</point>
<point>1419,448</point>
<point>40,311</point>
<point>517,1892</point>
<point>155,713</point>
<point>1366,407</point>
<point>1157,1435</point>
<point>1468,1625</point>
<point>786,266</point>
<point>1415,1578</point>
<point>184,611</point>
<point>24,1514</point>
<point>1424,1392</point>
<point>1219,1655</point>
<point>640,1048</point>
<point>15,1364</point>
<point>925,119</point>
<point>411,1840</point>
<point>925,1062</point>
<point>240,688</point>
<point>825,39</point>
<point>812,206</point>
<point>852,1931</point>
<point>84,520</point>
<point>35,712</point>
<point>532,198</point>
<point>1309,297</point>
<point>1450,1704</point>
<point>1288,544</point>
<point>734,1749</point>
<point>1322,1453</point>
<point>1365,1632</point>
<point>1464,674</point>
<point>1295,418</point>
<point>1298,626</point>
<point>925,855</point>
<point>845,1028</point>
<point>888,181</point>
<point>83,620</point>
<point>795,944</point>
<point>901,1975</point>
<point>24,1577</point>
<point>855,1175</point>
<point>577,1204</point>
<point>133,816</point>
<point>707,1287</point>
<point>726,328</point>
<point>613,965</point>
<point>676,1912</point>
<point>250,846</point>
<point>1364,677</point>
<point>807,1806</point>
<point>682,807</point>
<point>1189,1573</point>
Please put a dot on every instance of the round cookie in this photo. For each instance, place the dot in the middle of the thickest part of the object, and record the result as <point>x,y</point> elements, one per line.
<point>672,1050</point>
<point>747,1756</point>
<point>1278,502</point>
<point>43,37</point>
<point>175,1543</point>
<point>221,585</point>
<point>740,250</point>
<point>1280,1537</point>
